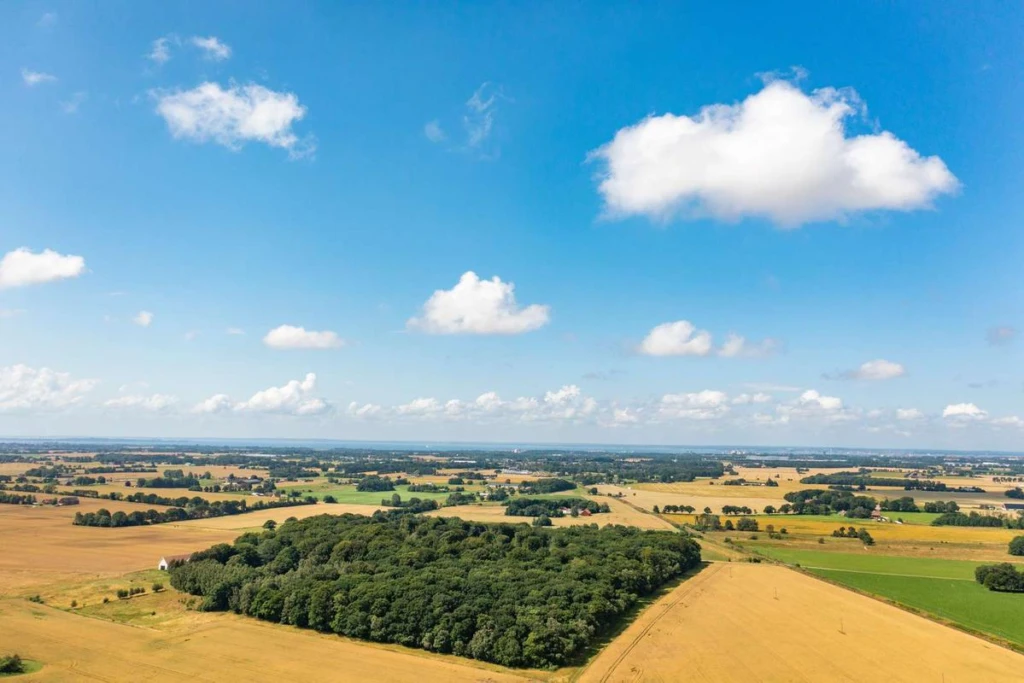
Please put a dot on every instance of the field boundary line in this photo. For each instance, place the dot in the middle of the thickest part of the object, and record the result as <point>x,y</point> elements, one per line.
<point>938,619</point>
<point>864,571</point>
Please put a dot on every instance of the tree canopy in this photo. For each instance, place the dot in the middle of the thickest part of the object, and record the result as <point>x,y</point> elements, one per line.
<point>507,593</point>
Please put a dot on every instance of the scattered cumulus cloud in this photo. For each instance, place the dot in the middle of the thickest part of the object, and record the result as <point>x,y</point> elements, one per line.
<point>876,370</point>
<point>143,319</point>
<point>434,132</point>
<point>745,399</point>
<point>1001,335</point>
<point>191,335</point>
<point>292,337</point>
<point>23,388</point>
<point>682,338</point>
<point>294,398</point>
<point>213,49</point>
<point>909,414</point>
<point>475,306</point>
<point>23,267</point>
<point>155,403</point>
<point>235,331</point>
<point>47,20</point>
<point>234,115</point>
<point>702,405</point>
<point>160,50</point>
<point>780,154</point>
<point>33,78</point>
<point>71,105</point>
<point>964,411</point>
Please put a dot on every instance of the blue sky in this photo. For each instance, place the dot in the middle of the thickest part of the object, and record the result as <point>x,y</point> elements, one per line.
<point>850,210</point>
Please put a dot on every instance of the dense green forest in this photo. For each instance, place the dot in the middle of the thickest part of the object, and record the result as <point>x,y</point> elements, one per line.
<point>506,593</point>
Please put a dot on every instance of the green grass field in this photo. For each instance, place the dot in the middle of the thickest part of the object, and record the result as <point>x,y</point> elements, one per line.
<point>944,588</point>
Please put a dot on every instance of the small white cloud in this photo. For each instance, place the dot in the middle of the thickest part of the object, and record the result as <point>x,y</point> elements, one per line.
<point>876,370</point>
<point>47,20</point>
<point>71,105</point>
<point>479,117</point>
<point>909,414</point>
<point>780,154</point>
<point>680,338</point>
<point>156,403</point>
<point>143,318</point>
<point>1001,335</point>
<point>367,410</point>
<point>212,47</point>
<point>22,267</point>
<point>34,78</point>
<point>814,399</point>
<point>23,388</point>
<point>736,346</point>
<point>475,306</point>
<point>235,331</point>
<point>233,116</point>
<point>419,407</point>
<point>1008,421</point>
<point>292,337</point>
<point>191,335</point>
<point>964,411</point>
<point>434,132</point>
<point>160,51</point>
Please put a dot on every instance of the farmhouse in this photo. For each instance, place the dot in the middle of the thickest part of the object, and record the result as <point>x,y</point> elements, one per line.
<point>167,560</point>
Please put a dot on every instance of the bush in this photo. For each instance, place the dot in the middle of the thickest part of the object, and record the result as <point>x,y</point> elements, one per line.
<point>330,499</point>
<point>122,594</point>
<point>36,599</point>
<point>1000,577</point>
<point>106,600</point>
<point>74,604</point>
<point>1017,546</point>
<point>157,587</point>
<point>11,664</point>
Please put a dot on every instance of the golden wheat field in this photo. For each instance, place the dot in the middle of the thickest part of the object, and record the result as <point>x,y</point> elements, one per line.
<point>726,624</point>
<point>214,647</point>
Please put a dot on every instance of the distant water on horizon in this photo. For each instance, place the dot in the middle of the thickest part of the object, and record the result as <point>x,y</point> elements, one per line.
<point>456,446</point>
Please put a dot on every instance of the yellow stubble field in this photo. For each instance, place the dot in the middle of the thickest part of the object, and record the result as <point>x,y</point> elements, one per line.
<point>758,622</point>
<point>620,514</point>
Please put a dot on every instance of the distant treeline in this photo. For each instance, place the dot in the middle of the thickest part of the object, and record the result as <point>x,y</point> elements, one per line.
<point>974,519</point>
<point>543,486</point>
<point>193,510</point>
<point>505,593</point>
<point>863,480</point>
<point>552,507</point>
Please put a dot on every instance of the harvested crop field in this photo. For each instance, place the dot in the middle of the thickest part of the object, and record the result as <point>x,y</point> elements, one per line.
<point>214,647</point>
<point>42,545</point>
<point>620,514</point>
<point>726,624</point>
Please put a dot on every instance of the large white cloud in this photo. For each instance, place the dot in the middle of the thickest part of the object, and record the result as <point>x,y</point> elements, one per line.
<point>23,267</point>
<point>475,306</point>
<point>292,337</point>
<point>294,398</point>
<point>23,388</point>
<point>781,154</point>
<point>233,116</point>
